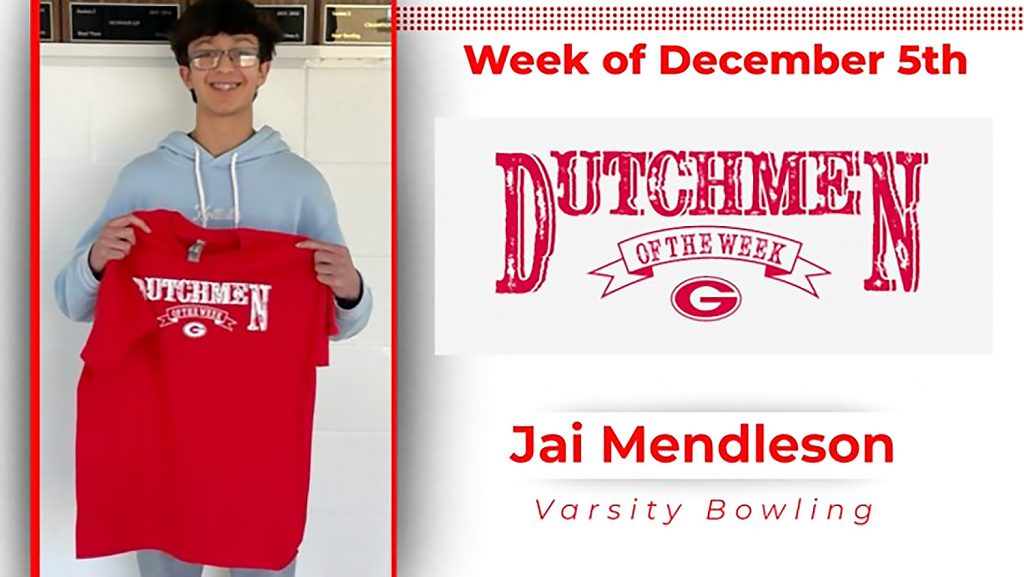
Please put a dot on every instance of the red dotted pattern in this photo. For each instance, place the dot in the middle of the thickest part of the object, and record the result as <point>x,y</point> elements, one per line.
<point>711,18</point>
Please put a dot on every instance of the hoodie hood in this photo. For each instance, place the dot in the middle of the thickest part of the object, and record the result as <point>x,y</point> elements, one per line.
<point>178,145</point>
<point>265,142</point>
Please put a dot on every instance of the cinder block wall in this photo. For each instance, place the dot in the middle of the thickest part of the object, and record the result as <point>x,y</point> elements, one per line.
<point>100,106</point>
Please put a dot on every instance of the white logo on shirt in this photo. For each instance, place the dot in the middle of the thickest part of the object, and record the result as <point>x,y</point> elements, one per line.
<point>196,296</point>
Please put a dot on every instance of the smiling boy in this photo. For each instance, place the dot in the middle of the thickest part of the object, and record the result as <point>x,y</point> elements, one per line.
<point>222,174</point>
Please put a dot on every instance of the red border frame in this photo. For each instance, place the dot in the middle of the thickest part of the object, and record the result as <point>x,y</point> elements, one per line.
<point>34,281</point>
<point>34,287</point>
<point>394,290</point>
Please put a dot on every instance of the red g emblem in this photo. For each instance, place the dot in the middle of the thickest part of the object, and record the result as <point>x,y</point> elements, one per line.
<point>706,298</point>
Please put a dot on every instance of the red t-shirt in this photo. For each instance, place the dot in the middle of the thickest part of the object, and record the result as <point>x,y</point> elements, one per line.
<point>195,404</point>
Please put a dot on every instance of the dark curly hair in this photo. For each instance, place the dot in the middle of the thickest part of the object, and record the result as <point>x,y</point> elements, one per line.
<point>212,17</point>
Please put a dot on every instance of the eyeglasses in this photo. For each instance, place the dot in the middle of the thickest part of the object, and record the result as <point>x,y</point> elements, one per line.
<point>210,59</point>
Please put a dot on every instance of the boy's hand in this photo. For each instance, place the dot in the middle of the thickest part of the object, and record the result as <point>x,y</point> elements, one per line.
<point>114,241</point>
<point>334,268</point>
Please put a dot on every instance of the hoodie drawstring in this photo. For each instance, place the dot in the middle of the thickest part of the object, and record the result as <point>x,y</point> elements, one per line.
<point>203,214</point>
<point>234,189</point>
<point>202,193</point>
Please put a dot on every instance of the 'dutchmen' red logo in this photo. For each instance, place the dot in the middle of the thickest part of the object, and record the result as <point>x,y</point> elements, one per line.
<point>706,298</point>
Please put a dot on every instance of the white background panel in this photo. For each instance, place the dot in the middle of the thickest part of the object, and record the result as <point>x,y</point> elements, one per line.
<point>948,503</point>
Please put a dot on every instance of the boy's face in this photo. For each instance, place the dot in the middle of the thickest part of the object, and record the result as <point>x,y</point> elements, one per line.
<point>230,87</point>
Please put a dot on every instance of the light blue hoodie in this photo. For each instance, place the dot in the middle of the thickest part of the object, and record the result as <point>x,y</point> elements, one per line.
<point>260,184</point>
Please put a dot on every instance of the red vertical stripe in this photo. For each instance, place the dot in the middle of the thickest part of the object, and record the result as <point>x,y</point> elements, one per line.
<point>34,283</point>
<point>394,291</point>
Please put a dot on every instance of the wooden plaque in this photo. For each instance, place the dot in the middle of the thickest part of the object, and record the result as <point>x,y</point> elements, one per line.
<point>136,21</point>
<point>295,17</point>
<point>361,24</point>
<point>49,21</point>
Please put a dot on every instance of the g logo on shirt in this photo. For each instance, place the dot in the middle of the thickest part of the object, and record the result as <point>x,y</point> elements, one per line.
<point>194,329</point>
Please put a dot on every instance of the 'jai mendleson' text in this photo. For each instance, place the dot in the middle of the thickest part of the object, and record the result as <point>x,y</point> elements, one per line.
<point>718,183</point>
<point>748,445</point>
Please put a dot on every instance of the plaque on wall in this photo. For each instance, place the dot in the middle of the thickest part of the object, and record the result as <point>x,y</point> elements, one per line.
<point>48,22</point>
<point>295,17</point>
<point>367,24</point>
<point>139,21</point>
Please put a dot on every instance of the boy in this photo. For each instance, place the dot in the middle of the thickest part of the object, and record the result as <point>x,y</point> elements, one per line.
<point>222,174</point>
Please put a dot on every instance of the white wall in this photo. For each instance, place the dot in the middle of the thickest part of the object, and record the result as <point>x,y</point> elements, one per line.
<point>100,106</point>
